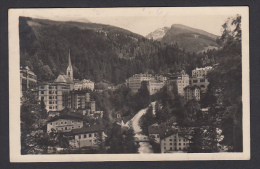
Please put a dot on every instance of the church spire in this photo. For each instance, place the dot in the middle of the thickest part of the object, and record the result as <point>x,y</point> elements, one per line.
<point>69,69</point>
<point>69,59</point>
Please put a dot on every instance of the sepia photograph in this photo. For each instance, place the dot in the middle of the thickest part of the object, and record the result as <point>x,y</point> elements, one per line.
<point>129,84</point>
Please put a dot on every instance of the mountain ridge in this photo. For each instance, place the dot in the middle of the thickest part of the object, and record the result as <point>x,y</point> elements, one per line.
<point>98,52</point>
<point>188,38</point>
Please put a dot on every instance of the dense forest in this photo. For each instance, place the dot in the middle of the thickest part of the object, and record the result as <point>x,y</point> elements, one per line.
<point>98,52</point>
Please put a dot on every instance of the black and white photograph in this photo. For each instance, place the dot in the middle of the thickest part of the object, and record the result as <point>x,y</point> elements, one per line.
<point>129,84</point>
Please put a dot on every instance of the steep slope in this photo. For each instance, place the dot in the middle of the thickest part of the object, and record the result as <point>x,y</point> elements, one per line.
<point>98,52</point>
<point>191,39</point>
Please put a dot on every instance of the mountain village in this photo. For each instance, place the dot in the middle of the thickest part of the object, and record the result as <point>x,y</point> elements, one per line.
<point>68,104</point>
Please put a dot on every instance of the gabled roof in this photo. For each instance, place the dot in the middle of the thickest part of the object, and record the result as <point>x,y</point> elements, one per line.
<point>63,79</point>
<point>88,129</point>
<point>66,116</point>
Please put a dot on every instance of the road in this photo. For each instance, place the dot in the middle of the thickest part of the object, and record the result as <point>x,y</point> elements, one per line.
<point>145,147</point>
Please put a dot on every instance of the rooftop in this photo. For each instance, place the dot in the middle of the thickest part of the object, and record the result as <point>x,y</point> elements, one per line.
<point>88,129</point>
<point>66,116</point>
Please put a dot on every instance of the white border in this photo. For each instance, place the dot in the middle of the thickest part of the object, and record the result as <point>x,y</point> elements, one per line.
<point>14,87</point>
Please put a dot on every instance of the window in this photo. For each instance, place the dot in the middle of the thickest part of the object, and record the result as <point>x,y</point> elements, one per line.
<point>85,136</point>
<point>65,128</point>
<point>195,81</point>
<point>175,144</point>
<point>78,126</point>
<point>49,92</point>
<point>184,144</point>
<point>72,121</point>
<point>170,139</point>
<point>79,136</point>
<point>50,107</point>
<point>179,144</point>
<point>174,139</point>
<point>179,139</point>
<point>89,135</point>
<point>170,148</point>
<point>202,80</point>
<point>170,143</point>
<point>42,98</point>
<point>61,122</point>
<point>51,123</point>
<point>179,148</point>
<point>164,148</point>
<point>42,92</point>
<point>65,122</point>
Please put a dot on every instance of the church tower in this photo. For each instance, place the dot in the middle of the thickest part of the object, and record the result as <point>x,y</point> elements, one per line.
<point>69,69</point>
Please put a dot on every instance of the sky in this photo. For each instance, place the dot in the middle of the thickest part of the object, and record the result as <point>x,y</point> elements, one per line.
<point>142,20</point>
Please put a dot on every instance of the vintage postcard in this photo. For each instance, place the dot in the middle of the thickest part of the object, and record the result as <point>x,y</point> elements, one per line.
<point>129,84</point>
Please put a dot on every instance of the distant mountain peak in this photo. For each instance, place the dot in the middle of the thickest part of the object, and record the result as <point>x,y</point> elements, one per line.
<point>158,33</point>
<point>191,39</point>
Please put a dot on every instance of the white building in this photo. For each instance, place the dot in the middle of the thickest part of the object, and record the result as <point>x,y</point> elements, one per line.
<point>64,123</point>
<point>83,84</point>
<point>154,86</point>
<point>134,82</point>
<point>172,143</point>
<point>201,72</point>
<point>88,136</point>
<point>180,80</point>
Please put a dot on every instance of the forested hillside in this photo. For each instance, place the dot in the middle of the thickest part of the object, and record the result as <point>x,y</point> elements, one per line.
<point>98,52</point>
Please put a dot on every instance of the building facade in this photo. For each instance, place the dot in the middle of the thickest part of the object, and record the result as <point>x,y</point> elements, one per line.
<point>180,80</point>
<point>27,79</point>
<point>52,95</point>
<point>134,82</point>
<point>174,143</point>
<point>201,72</point>
<point>192,92</point>
<point>83,84</point>
<point>201,82</point>
<point>154,86</point>
<point>64,123</point>
<point>88,136</point>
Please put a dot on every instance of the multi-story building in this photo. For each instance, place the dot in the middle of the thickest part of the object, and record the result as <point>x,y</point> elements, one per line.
<point>191,92</point>
<point>161,78</point>
<point>52,95</point>
<point>174,142</point>
<point>134,82</point>
<point>77,99</point>
<point>201,82</point>
<point>83,84</point>
<point>154,86</point>
<point>27,79</point>
<point>180,81</point>
<point>201,72</point>
<point>88,136</point>
<point>64,123</point>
